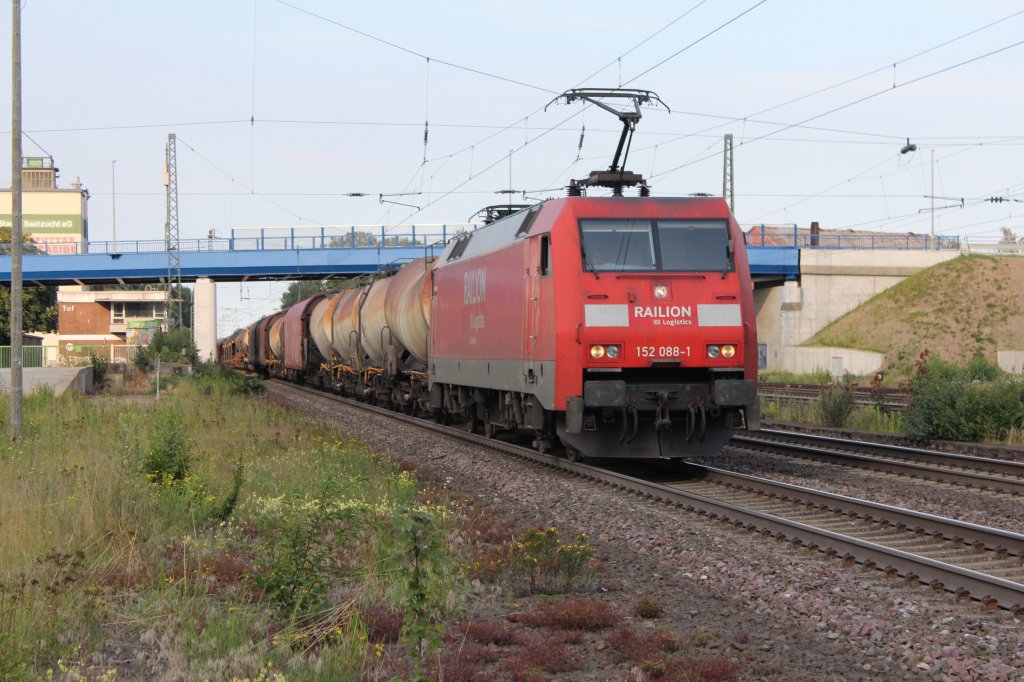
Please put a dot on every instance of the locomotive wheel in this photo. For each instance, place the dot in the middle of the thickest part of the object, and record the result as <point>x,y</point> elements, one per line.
<point>472,423</point>
<point>489,429</point>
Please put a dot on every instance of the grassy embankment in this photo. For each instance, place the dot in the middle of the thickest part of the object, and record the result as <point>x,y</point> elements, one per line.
<point>210,535</point>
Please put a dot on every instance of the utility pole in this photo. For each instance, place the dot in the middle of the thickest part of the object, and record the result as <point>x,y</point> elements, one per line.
<point>171,238</point>
<point>728,190</point>
<point>113,203</point>
<point>16,223</point>
<point>933,198</point>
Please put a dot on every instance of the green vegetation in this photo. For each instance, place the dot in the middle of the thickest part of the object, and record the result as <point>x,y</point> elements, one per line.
<point>977,402</point>
<point>860,418</point>
<point>836,403</point>
<point>173,346</point>
<point>38,304</point>
<point>237,538</point>
<point>972,403</point>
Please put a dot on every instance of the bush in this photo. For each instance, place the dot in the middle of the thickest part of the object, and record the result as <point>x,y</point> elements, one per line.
<point>836,403</point>
<point>969,403</point>
<point>175,346</point>
<point>168,458</point>
<point>99,369</point>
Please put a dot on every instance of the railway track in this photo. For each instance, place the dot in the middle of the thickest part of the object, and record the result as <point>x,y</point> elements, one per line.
<point>890,398</point>
<point>982,473</point>
<point>968,560</point>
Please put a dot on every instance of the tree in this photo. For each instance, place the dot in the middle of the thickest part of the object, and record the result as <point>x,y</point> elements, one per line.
<point>1009,236</point>
<point>39,304</point>
<point>301,290</point>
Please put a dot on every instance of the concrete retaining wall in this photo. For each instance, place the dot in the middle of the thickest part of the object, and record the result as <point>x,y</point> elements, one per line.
<point>60,379</point>
<point>1011,361</point>
<point>835,361</point>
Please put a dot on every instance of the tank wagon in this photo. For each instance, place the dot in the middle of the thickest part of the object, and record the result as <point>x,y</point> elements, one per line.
<point>617,327</point>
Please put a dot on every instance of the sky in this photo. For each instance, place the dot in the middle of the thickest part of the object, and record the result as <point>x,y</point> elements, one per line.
<point>284,108</point>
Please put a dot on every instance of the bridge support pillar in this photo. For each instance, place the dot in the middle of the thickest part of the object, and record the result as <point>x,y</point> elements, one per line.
<point>204,317</point>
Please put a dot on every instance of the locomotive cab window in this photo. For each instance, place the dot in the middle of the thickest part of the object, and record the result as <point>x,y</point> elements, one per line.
<point>663,245</point>
<point>617,245</point>
<point>692,245</point>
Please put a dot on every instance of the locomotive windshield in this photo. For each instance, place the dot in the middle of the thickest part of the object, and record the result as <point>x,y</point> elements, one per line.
<point>618,245</point>
<point>662,245</point>
<point>690,245</point>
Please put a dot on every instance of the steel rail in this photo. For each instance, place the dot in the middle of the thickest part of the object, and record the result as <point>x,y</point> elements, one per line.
<point>984,473</point>
<point>893,398</point>
<point>991,590</point>
<point>980,537</point>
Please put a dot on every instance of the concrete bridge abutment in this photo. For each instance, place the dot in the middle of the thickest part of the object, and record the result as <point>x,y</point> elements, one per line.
<point>832,283</point>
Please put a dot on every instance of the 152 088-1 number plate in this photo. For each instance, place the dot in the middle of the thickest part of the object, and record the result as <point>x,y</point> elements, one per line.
<point>663,351</point>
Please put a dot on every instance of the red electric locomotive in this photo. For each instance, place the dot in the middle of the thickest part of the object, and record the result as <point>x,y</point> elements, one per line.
<point>625,326</point>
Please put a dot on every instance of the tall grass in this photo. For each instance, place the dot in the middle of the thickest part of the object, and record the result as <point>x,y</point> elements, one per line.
<point>191,560</point>
<point>860,418</point>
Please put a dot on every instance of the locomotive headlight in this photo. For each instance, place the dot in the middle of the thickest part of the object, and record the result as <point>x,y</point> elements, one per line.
<point>713,352</point>
<point>728,351</point>
<point>661,291</point>
<point>612,352</point>
<point>597,352</point>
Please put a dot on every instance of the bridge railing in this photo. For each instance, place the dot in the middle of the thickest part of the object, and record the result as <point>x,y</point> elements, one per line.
<point>274,239</point>
<point>769,236</point>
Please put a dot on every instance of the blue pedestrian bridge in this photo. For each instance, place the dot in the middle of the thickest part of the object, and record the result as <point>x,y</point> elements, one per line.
<point>291,253</point>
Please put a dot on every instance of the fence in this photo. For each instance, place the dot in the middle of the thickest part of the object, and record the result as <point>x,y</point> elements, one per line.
<point>792,236</point>
<point>275,238</point>
<point>68,355</point>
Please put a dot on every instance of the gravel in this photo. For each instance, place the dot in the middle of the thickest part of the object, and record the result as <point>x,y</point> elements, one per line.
<point>781,612</point>
<point>1000,510</point>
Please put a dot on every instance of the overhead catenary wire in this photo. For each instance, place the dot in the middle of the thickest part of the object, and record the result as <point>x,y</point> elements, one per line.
<point>855,102</point>
<point>250,188</point>
<point>558,125</point>
<point>866,74</point>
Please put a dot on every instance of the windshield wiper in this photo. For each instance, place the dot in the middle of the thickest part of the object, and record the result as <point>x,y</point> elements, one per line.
<point>586,262</point>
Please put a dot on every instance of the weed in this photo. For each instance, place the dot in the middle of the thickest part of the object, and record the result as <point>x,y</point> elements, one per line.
<point>628,644</point>
<point>664,656</point>
<point>570,614</point>
<point>702,639</point>
<point>549,653</point>
<point>648,607</point>
<point>300,534</point>
<point>542,563</point>
<point>836,403</point>
<point>422,560</point>
<point>168,453</point>
<point>489,632</point>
